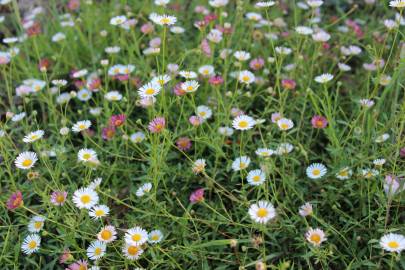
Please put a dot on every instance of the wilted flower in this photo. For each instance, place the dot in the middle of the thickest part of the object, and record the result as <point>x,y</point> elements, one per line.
<point>197,195</point>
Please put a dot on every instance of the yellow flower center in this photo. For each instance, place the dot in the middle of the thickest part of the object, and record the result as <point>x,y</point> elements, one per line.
<point>262,212</point>
<point>34,137</point>
<point>393,244</point>
<point>243,124</point>
<point>190,88</point>
<point>242,165</point>
<point>316,172</point>
<point>32,244</point>
<point>133,250</point>
<point>106,234</point>
<point>155,237</point>
<point>38,224</point>
<point>99,212</point>
<point>344,173</point>
<point>136,237</point>
<point>27,162</point>
<point>316,238</point>
<point>97,251</point>
<point>245,78</point>
<point>284,126</point>
<point>256,178</point>
<point>165,20</point>
<point>82,126</point>
<point>85,199</point>
<point>86,156</point>
<point>150,91</point>
<point>60,198</point>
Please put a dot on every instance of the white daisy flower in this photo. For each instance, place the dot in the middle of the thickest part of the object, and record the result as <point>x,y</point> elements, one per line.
<point>155,236</point>
<point>315,236</point>
<point>262,212</point>
<point>26,160</point>
<point>240,163</point>
<point>344,173</point>
<point>285,124</point>
<point>162,19</point>
<point>284,149</point>
<point>204,112</point>
<point>314,3</point>
<point>246,77</point>
<point>132,252</point>
<point>107,234</point>
<point>81,125</point>
<point>304,30</point>
<point>243,122</point>
<point>256,177</point>
<point>33,136</point>
<point>149,90</point>
<point>87,155</point>
<point>397,3</point>
<point>199,165</point>
<point>36,224</point>
<point>58,37</point>
<point>264,152</point>
<point>145,188</point>
<point>136,236</point>
<point>18,117</point>
<point>137,137</point>
<point>264,4</point>
<point>379,162</point>
<point>206,70</point>
<point>96,250</point>
<point>190,86</point>
<point>393,242</point>
<point>324,78</point>
<point>188,74</point>
<point>118,20</point>
<point>99,211</point>
<point>226,131</point>
<point>161,79</point>
<point>305,209</point>
<point>85,198</point>
<point>31,244</point>
<point>242,55</point>
<point>316,170</point>
<point>84,94</point>
<point>113,96</point>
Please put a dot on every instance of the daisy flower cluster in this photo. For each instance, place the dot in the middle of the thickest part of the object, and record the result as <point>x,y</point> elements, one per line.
<point>202,134</point>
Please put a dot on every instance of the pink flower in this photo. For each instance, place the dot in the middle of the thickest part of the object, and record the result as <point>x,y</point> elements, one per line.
<point>73,4</point>
<point>205,47</point>
<point>216,80</point>
<point>195,120</point>
<point>402,152</point>
<point>79,265</point>
<point>5,59</point>
<point>117,120</point>
<point>157,125</point>
<point>235,112</point>
<point>58,198</point>
<point>15,200</point>
<point>288,84</point>
<point>155,42</point>
<point>256,63</point>
<point>197,195</point>
<point>275,117</point>
<point>178,91</point>
<point>183,143</point>
<point>122,77</point>
<point>319,121</point>
<point>210,17</point>
<point>66,256</point>
<point>94,84</point>
<point>108,133</point>
<point>44,64</point>
<point>147,28</point>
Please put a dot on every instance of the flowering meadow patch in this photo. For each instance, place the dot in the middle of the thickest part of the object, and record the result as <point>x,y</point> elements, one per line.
<point>204,134</point>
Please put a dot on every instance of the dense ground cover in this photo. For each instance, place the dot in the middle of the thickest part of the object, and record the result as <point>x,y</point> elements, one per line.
<point>202,135</point>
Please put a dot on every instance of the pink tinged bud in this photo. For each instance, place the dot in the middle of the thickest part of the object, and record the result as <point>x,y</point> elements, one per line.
<point>197,196</point>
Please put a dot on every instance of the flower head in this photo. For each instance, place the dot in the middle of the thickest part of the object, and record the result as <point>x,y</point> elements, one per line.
<point>262,212</point>
<point>197,195</point>
<point>157,125</point>
<point>15,200</point>
<point>315,236</point>
<point>319,121</point>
